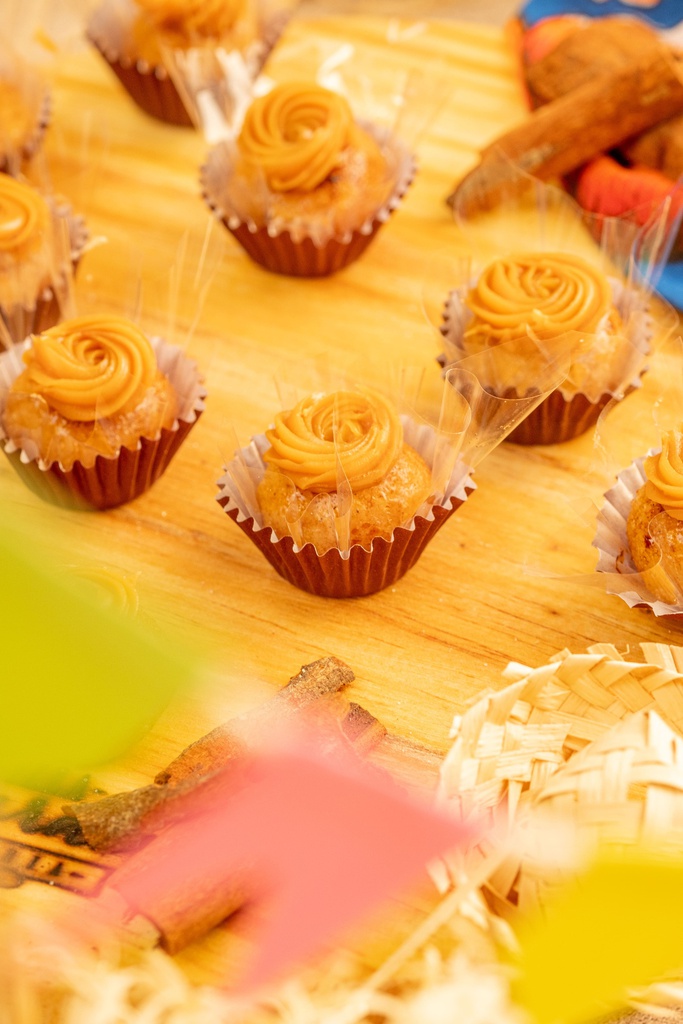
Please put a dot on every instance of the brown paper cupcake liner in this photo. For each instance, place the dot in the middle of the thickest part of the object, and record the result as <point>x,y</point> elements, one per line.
<point>46,311</point>
<point>151,87</point>
<point>561,416</point>
<point>362,571</point>
<point>559,419</point>
<point>280,252</point>
<point>115,481</point>
<point>611,542</point>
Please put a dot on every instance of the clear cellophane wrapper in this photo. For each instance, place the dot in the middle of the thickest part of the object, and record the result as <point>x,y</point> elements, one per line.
<point>35,290</point>
<point>609,363</point>
<point>157,83</point>
<point>452,429</point>
<point>316,240</point>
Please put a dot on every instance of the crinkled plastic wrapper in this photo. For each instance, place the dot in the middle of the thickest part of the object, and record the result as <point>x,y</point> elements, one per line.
<point>605,365</point>
<point>310,245</point>
<point>25,107</point>
<point>469,424</point>
<point>158,85</point>
<point>101,482</point>
<point>608,363</point>
<point>35,290</point>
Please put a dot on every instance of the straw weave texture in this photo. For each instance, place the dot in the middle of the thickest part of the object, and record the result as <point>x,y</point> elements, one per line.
<point>590,740</point>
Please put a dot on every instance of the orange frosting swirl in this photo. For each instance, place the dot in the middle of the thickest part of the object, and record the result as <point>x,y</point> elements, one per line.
<point>295,135</point>
<point>546,294</point>
<point>91,367</point>
<point>24,215</point>
<point>664,472</point>
<point>193,18</point>
<point>359,429</point>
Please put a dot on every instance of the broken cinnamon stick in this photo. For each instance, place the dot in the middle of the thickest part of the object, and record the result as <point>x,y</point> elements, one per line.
<point>600,45</point>
<point>327,675</point>
<point>569,131</point>
<point>110,823</point>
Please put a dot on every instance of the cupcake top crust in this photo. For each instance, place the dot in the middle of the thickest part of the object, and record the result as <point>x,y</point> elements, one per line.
<point>297,134</point>
<point>545,294</point>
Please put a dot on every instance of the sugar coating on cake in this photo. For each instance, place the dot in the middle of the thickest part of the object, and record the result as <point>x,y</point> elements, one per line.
<point>338,467</point>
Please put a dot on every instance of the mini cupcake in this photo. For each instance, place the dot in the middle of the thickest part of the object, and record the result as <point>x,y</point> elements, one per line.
<point>41,242</point>
<point>304,188</point>
<point>342,495</point>
<point>24,112</point>
<point>92,412</point>
<point>559,299</point>
<point>640,530</point>
<point>136,37</point>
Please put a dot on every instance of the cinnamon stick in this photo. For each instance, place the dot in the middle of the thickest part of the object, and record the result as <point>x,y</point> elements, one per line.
<point>602,44</point>
<point>111,823</point>
<point>325,676</point>
<point>569,131</point>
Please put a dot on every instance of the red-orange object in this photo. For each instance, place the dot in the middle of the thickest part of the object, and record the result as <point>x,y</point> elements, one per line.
<point>542,38</point>
<point>312,846</point>
<point>607,187</point>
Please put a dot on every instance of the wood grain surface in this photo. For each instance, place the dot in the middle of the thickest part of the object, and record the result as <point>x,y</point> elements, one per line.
<point>486,591</point>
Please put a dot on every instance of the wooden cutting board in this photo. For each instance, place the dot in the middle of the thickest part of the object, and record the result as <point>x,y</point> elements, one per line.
<point>481,595</point>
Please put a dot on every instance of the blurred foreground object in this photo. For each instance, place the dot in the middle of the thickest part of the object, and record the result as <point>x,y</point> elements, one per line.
<point>81,683</point>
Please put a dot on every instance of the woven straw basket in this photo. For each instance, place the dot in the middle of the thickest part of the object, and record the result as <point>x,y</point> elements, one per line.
<point>591,740</point>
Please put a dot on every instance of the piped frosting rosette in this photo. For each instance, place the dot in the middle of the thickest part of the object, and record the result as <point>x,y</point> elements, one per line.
<point>302,185</point>
<point>41,242</point>
<point>92,412</point>
<point>160,49</point>
<point>350,483</point>
<point>573,280</point>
